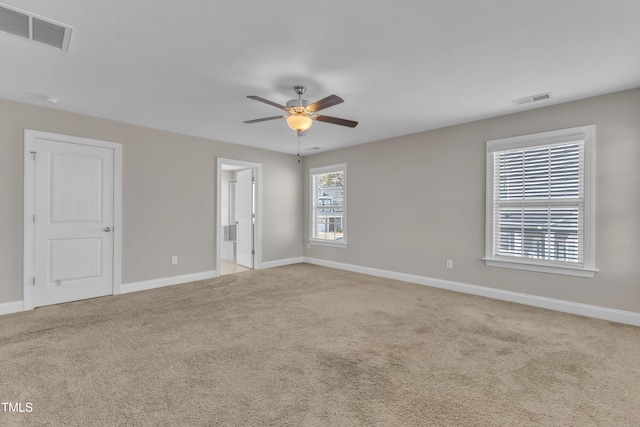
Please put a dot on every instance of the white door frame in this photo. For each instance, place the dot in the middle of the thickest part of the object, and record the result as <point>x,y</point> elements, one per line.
<point>30,137</point>
<point>257,235</point>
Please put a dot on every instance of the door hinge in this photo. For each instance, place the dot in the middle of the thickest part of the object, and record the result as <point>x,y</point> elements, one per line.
<point>33,153</point>
<point>34,218</point>
<point>33,281</point>
<point>253,252</point>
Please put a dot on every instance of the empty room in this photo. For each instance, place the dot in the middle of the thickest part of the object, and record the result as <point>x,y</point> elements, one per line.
<point>275,213</point>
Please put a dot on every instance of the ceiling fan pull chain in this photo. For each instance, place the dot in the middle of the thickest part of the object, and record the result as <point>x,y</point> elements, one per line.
<point>298,132</point>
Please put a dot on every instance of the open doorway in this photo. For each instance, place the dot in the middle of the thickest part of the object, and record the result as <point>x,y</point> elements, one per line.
<point>238,216</point>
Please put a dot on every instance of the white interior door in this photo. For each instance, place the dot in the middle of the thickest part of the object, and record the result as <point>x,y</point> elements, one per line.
<point>244,218</point>
<point>74,219</point>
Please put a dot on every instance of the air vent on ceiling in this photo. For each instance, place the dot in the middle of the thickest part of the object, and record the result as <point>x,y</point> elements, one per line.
<point>25,24</point>
<point>530,99</point>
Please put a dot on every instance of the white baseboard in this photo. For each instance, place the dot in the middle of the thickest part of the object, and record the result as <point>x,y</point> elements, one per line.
<point>11,307</point>
<point>280,263</point>
<point>603,313</point>
<point>166,281</point>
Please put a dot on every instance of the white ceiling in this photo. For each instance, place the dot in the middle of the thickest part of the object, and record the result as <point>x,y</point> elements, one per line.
<point>402,67</point>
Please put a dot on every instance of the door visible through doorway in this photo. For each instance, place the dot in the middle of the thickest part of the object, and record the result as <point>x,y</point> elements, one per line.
<point>238,216</point>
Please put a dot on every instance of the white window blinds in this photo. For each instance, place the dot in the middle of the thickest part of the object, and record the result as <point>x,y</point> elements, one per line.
<point>538,200</point>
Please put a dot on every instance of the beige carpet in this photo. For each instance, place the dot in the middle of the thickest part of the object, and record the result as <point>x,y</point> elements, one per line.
<point>304,345</point>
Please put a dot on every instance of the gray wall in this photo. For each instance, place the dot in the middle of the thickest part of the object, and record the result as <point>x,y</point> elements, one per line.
<point>417,200</point>
<point>423,194</point>
<point>168,195</point>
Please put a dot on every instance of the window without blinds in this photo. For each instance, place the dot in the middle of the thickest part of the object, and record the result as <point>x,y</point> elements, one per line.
<point>540,204</point>
<point>328,221</point>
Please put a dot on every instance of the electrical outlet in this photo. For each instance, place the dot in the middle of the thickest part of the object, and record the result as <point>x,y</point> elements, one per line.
<point>174,259</point>
<point>308,245</point>
<point>449,263</point>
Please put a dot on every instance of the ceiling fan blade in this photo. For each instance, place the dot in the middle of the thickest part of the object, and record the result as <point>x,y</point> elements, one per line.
<point>336,121</point>
<point>329,101</point>
<point>265,119</point>
<point>266,101</point>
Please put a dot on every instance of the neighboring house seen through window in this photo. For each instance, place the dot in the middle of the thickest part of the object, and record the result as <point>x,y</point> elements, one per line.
<point>540,202</point>
<point>328,205</point>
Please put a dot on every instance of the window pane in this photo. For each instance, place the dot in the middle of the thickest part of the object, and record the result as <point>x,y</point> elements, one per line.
<point>546,233</point>
<point>328,206</point>
<point>539,173</point>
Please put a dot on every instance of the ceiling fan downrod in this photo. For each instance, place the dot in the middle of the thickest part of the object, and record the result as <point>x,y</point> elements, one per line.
<point>298,105</point>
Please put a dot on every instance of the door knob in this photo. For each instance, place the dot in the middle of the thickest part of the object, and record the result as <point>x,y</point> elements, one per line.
<point>107,229</point>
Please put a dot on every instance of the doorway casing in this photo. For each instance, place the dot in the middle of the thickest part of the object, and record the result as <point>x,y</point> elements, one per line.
<point>257,173</point>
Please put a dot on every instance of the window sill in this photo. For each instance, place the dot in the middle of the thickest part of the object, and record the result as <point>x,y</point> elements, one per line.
<point>330,243</point>
<point>522,265</point>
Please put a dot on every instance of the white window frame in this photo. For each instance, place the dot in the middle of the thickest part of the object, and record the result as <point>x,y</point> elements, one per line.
<point>312,208</point>
<point>585,134</point>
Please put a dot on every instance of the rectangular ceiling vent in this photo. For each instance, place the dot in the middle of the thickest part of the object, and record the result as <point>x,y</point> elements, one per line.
<point>530,99</point>
<point>25,24</point>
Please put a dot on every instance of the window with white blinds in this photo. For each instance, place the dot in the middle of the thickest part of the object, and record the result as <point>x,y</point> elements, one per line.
<point>540,202</point>
<point>328,205</point>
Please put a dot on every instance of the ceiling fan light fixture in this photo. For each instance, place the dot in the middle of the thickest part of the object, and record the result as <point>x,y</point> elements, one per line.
<point>302,114</point>
<point>299,122</point>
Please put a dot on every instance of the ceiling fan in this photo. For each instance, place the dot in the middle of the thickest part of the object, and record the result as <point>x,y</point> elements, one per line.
<point>302,114</point>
